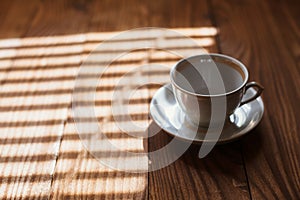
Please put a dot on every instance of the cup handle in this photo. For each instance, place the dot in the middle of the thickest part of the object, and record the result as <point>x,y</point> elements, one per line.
<point>259,90</point>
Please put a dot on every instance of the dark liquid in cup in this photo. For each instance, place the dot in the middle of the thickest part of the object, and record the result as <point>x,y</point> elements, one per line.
<point>209,80</point>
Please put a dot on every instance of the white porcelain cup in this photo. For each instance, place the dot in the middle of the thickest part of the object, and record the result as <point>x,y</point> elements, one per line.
<point>200,79</point>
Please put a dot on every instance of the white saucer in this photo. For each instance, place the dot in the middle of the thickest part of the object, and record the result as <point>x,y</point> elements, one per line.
<point>167,114</point>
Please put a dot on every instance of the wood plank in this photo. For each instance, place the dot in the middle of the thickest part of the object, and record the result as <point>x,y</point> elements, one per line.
<point>221,174</point>
<point>28,163</point>
<point>78,175</point>
<point>20,153</point>
<point>16,17</point>
<point>20,160</point>
<point>191,178</point>
<point>265,36</point>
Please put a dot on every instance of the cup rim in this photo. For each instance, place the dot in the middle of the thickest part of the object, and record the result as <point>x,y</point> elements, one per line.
<point>235,61</point>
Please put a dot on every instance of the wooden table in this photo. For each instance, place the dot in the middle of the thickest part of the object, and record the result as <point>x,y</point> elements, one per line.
<point>43,43</point>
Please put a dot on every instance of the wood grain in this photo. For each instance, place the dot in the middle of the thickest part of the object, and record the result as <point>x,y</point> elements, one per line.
<point>265,36</point>
<point>34,113</point>
<point>219,176</point>
<point>43,43</point>
<point>78,175</point>
<point>19,160</point>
